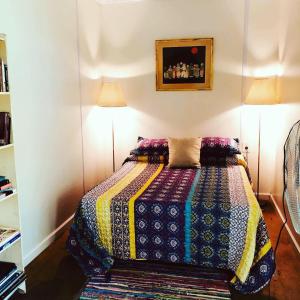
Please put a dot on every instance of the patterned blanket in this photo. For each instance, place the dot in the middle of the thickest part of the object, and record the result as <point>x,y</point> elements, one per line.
<point>207,217</point>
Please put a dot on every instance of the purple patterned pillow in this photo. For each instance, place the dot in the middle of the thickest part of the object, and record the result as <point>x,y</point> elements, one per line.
<point>146,146</point>
<point>219,146</point>
<point>210,147</point>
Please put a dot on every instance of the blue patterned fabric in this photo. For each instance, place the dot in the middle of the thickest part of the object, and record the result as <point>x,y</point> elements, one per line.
<point>206,217</point>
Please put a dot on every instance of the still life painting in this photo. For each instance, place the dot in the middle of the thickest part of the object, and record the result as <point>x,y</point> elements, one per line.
<point>184,64</point>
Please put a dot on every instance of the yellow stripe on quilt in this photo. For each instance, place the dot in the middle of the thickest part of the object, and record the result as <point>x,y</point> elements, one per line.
<point>241,160</point>
<point>145,158</point>
<point>253,219</point>
<point>104,202</point>
<point>142,158</point>
<point>262,252</point>
<point>131,211</point>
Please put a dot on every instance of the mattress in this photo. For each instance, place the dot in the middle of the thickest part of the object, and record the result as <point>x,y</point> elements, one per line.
<point>207,217</point>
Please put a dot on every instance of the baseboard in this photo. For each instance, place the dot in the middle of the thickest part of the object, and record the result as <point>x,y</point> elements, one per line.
<point>286,225</point>
<point>264,196</point>
<point>46,242</point>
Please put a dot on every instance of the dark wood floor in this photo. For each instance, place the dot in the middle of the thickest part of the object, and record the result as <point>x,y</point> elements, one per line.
<point>54,275</point>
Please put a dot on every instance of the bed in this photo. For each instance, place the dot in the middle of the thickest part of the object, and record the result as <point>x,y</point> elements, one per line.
<point>205,216</point>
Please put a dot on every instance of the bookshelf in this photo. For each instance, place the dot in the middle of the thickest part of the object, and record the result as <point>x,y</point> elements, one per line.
<point>6,146</point>
<point>9,205</point>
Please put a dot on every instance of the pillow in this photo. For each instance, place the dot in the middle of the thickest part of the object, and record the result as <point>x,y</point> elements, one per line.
<point>146,146</point>
<point>219,147</point>
<point>184,152</point>
<point>222,161</point>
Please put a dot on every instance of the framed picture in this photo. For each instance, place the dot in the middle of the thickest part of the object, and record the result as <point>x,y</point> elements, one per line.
<point>184,65</point>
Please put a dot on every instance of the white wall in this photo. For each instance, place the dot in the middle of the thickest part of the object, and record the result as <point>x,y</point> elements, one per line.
<point>128,54</point>
<point>43,66</point>
<point>261,59</point>
<point>272,50</point>
<point>289,55</point>
<point>97,144</point>
<point>245,43</point>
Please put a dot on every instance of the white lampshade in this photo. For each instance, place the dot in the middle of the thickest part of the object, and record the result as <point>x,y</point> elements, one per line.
<point>111,95</point>
<point>263,92</point>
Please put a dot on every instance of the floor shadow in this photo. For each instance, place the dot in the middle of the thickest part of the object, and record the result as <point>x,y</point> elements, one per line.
<point>57,277</point>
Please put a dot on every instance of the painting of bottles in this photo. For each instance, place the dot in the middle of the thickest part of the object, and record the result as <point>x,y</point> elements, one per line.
<point>184,64</point>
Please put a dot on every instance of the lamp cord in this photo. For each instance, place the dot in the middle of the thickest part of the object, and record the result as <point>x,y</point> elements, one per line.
<point>258,158</point>
<point>113,142</point>
<point>80,97</point>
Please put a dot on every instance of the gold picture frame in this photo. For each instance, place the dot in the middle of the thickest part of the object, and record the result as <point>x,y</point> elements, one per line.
<point>184,64</point>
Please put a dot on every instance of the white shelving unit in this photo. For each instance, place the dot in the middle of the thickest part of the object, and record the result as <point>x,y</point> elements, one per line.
<point>6,146</point>
<point>9,206</point>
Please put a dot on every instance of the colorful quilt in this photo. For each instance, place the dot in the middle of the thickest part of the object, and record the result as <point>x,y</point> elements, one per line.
<point>207,217</point>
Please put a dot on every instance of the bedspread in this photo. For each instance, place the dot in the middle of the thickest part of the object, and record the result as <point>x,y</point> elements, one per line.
<point>206,217</point>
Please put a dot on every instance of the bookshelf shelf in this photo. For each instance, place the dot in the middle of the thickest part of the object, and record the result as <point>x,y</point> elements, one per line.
<point>6,146</point>
<point>8,197</point>
<point>9,205</point>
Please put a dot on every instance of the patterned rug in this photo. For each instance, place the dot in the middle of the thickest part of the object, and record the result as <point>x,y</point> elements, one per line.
<point>156,281</point>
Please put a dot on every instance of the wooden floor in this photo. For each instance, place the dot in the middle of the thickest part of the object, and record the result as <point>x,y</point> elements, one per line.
<point>55,275</point>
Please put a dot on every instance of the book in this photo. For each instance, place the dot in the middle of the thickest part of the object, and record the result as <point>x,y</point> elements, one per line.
<point>3,182</point>
<point>5,123</point>
<point>7,269</point>
<point>6,85</point>
<point>8,192</point>
<point>11,241</point>
<point>6,186</point>
<point>8,236</point>
<point>15,281</point>
<point>11,277</point>
<point>4,193</point>
<point>2,76</point>
<point>8,283</point>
